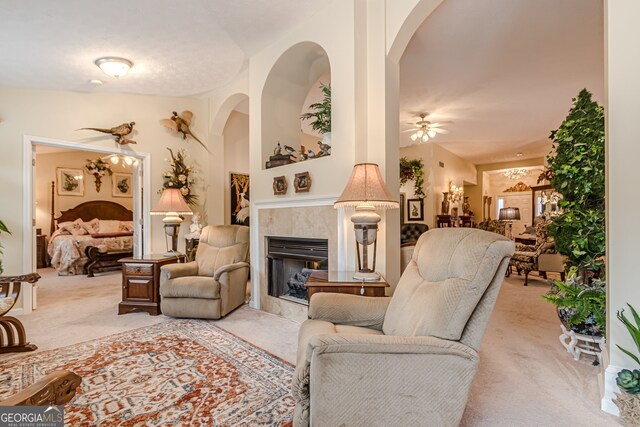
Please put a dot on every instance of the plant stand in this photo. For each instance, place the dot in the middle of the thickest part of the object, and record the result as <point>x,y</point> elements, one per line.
<point>579,343</point>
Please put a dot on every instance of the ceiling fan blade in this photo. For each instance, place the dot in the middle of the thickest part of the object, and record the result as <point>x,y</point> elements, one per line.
<point>442,131</point>
<point>408,130</point>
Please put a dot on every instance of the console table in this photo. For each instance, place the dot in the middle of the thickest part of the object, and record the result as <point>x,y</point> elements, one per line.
<point>141,282</point>
<point>342,282</point>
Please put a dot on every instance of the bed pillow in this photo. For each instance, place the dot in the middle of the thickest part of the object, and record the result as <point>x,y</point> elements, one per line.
<point>126,226</point>
<point>108,226</point>
<point>91,226</point>
<point>75,228</point>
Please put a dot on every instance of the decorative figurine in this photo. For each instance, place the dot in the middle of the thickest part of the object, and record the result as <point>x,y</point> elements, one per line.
<point>181,125</point>
<point>325,149</point>
<point>120,132</point>
<point>195,228</point>
<point>303,153</point>
<point>290,151</point>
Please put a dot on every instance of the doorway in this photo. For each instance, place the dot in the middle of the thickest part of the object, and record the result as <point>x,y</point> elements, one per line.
<point>140,203</point>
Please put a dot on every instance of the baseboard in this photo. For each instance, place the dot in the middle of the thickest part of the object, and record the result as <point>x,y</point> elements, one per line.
<point>610,387</point>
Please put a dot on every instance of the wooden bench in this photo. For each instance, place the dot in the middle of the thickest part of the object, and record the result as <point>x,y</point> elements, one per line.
<point>103,260</point>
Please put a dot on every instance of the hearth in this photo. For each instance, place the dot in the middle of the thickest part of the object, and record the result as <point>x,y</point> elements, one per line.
<point>290,262</point>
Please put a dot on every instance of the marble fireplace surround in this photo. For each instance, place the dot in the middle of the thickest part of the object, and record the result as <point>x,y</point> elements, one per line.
<point>308,218</point>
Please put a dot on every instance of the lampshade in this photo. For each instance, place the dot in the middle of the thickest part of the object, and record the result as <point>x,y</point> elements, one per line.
<point>366,187</point>
<point>172,201</point>
<point>509,214</point>
<point>114,67</point>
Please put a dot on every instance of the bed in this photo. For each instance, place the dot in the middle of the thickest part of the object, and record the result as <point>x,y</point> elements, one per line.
<point>102,224</point>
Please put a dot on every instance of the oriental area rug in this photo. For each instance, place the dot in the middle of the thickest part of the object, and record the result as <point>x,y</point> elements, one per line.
<point>179,372</point>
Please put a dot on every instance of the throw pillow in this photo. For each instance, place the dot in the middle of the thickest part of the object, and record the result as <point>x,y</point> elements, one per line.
<point>108,226</point>
<point>91,226</point>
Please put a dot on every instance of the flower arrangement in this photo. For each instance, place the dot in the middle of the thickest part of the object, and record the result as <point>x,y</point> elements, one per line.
<point>98,168</point>
<point>179,176</point>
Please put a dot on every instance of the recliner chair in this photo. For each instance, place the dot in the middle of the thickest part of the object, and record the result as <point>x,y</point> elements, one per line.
<point>408,359</point>
<point>215,283</point>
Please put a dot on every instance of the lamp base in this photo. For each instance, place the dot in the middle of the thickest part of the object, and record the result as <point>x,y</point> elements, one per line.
<point>366,276</point>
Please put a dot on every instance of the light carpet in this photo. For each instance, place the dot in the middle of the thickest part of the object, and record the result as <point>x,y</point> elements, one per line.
<point>180,372</point>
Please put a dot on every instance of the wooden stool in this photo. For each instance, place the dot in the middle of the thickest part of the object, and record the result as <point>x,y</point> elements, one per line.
<point>12,329</point>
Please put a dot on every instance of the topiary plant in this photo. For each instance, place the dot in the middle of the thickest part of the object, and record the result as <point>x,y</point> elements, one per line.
<point>321,111</point>
<point>3,228</point>
<point>413,170</point>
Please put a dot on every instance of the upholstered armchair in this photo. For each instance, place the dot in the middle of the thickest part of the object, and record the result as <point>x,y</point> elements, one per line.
<point>408,359</point>
<point>215,283</point>
<point>494,226</point>
<point>526,258</point>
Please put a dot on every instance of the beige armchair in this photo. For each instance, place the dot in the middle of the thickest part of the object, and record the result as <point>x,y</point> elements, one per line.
<point>215,283</point>
<point>409,359</point>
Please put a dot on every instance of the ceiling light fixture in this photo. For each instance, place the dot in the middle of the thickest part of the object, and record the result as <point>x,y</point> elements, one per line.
<point>113,66</point>
<point>126,160</point>
<point>426,130</point>
<point>515,173</point>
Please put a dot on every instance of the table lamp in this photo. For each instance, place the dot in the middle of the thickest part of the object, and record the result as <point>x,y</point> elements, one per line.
<point>509,215</point>
<point>366,191</point>
<point>172,205</point>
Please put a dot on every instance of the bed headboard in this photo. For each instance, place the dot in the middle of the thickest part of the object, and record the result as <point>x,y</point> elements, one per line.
<point>100,209</point>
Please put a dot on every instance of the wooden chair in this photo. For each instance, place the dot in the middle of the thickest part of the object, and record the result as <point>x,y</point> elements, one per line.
<point>13,337</point>
<point>56,388</point>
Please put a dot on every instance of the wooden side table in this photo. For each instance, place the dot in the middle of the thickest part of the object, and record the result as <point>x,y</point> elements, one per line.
<point>342,282</point>
<point>141,282</point>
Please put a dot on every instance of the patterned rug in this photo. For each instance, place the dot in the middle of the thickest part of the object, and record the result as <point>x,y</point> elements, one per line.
<point>180,372</point>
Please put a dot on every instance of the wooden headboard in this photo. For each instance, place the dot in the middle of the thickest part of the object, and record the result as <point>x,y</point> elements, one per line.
<point>100,209</point>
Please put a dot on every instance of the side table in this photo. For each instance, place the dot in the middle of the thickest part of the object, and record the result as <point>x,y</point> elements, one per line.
<point>342,282</point>
<point>141,282</point>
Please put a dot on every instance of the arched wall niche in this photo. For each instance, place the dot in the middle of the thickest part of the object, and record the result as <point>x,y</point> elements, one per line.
<point>284,93</point>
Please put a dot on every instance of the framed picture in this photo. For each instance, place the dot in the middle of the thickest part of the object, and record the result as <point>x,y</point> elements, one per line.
<point>403,197</point>
<point>415,210</point>
<point>70,182</point>
<point>279,185</point>
<point>122,185</point>
<point>302,182</point>
<point>240,209</point>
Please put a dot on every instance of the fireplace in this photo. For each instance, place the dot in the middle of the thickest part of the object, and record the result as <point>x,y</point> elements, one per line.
<point>290,262</point>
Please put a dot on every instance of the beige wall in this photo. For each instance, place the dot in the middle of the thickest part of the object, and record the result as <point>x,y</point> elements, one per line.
<point>437,178</point>
<point>236,154</point>
<point>57,115</point>
<point>46,165</point>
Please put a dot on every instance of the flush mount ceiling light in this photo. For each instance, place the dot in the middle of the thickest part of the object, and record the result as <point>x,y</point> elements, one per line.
<point>113,66</point>
<point>426,130</point>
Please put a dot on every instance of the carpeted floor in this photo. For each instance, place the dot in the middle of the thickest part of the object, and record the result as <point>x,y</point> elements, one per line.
<point>180,372</point>
<point>525,377</point>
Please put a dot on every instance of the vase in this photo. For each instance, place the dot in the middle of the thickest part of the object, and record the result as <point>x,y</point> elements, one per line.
<point>445,204</point>
<point>466,207</point>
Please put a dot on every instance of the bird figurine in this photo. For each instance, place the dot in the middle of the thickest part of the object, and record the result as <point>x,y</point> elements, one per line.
<point>311,154</point>
<point>325,149</point>
<point>290,151</point>
<point>278,150</point>
<point>303,153</point>
<point>181,125</point>
<point>120,132</point>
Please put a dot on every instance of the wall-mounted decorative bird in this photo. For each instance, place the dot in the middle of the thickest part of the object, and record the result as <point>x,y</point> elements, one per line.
<point>181,124</point>
<point>120,132</point>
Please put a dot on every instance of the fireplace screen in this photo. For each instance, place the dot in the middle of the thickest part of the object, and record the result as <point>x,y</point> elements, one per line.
<point>290,262</point>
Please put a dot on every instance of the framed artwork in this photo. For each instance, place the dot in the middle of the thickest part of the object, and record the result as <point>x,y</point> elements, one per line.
<point>70,182</point>
<point>279,185</point>
<point>240,209</point>
<point>403,197</point>
<point>415,210</point>
<point>302,182</point>
<point>122,185</point>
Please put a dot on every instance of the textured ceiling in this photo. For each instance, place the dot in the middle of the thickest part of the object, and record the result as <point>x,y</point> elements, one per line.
<point>501,73</point>
<point>178,48</point>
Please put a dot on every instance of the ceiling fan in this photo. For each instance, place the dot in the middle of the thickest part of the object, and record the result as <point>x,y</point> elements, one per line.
<point>425,130</point>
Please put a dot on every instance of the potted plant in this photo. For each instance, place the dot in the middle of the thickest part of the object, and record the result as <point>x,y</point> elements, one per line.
<point>413,170</point>
<point>3,228</point>
<point>628,400</point>
<point>576,170</point>
<point>320,114</point>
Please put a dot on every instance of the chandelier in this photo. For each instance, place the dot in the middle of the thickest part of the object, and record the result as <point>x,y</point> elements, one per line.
<point>425,131</point>
<point>515,173</point>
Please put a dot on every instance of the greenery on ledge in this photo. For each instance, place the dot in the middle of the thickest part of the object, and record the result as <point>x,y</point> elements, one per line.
<point>320,111</point>
<point>413,170</point>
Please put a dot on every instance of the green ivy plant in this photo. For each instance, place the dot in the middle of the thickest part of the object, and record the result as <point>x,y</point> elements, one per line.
<point>320,111</point>
<point>413,170</point>
<point>3,229</point>
<point>577,172</point>
<point>628,380</point>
